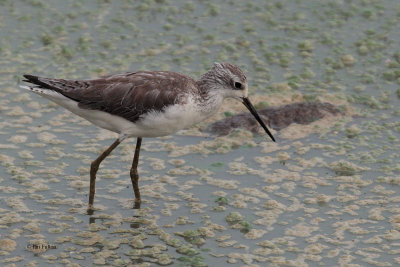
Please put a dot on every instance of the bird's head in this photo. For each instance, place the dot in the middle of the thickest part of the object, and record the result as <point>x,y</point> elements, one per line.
<point>229,81</point>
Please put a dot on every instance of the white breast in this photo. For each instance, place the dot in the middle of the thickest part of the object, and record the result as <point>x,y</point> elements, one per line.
<point>174,118</point>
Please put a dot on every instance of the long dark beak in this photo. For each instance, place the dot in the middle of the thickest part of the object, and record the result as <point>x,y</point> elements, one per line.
<point>253,111</point>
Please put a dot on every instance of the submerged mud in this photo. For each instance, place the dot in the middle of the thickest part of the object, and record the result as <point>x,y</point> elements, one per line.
<point>276,117</point>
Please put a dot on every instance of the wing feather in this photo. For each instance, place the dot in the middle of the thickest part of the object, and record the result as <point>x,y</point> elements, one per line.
<point>128,95</point>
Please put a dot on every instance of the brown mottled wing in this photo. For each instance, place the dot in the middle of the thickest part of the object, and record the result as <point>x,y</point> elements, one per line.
<point>127,95</point>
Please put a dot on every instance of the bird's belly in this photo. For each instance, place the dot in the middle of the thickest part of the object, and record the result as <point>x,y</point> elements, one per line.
<point>169,121</point>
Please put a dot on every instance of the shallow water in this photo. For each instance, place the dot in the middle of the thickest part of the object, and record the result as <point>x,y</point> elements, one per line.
<point>324,194</point>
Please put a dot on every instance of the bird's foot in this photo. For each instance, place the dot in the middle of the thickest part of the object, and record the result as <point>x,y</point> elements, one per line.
<point>137,203</point>
<point>90,210</point>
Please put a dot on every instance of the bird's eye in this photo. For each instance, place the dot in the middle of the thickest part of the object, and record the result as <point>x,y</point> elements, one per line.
<point>238,85</point>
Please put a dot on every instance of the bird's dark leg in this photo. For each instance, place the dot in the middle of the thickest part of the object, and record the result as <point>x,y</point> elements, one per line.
<point>95,166</point>
<point>134,172</point>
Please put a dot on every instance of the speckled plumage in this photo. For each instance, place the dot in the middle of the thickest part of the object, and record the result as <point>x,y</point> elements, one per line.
<point>144,103</point>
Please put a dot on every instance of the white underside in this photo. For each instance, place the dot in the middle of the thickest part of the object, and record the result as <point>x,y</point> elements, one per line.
<point>153,124</point>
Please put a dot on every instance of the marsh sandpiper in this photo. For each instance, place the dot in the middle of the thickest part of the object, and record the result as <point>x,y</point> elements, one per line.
<point>145,104</point>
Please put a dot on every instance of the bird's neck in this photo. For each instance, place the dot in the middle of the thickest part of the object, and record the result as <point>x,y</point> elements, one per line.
<point>210,94</point>
<point>209,83</point>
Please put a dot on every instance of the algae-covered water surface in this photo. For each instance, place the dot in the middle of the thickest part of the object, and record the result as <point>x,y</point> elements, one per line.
<point>325,194</point>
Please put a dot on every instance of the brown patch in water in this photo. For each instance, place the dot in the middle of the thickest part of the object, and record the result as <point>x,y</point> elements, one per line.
<point>276,117</point>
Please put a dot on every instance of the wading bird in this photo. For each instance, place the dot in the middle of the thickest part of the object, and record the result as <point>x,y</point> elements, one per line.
<point>145,104</point>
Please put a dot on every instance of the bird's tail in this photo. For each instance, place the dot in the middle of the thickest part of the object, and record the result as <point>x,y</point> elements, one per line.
<point>39,86</point>
<point>44,83</point>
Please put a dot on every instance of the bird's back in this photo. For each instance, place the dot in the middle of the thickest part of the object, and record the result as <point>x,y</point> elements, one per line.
<point>128,95</point>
